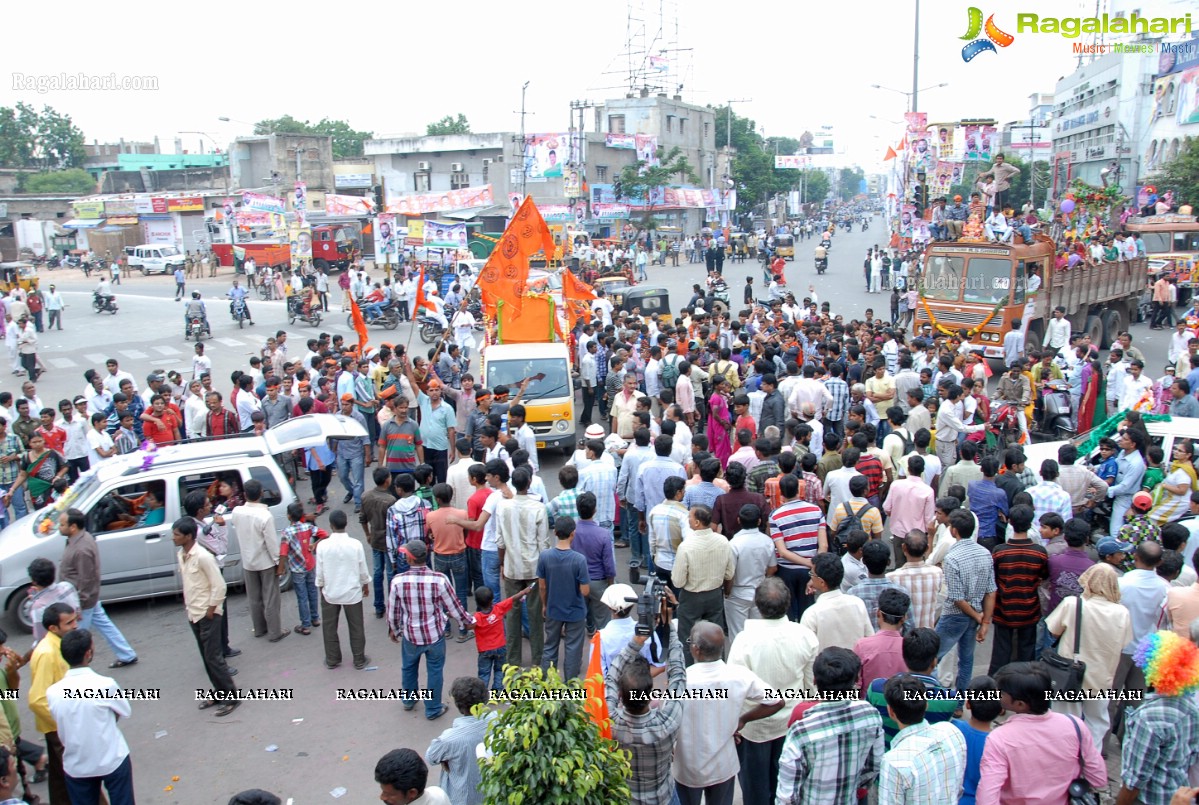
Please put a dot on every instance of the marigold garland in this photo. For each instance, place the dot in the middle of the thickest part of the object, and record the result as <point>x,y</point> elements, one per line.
<point>969,333</point>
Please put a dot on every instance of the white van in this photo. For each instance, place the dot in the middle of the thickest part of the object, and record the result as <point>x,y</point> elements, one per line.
<point>156,259</point>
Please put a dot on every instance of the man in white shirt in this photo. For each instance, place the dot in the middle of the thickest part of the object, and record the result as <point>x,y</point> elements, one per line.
<point>86,707</point>
<point>99,443</point>
<point>255,528</point>
<point>1057,334</point>
<point>753,560</point>
<point>403,777</point>
<point>344,580</point>
<point>705,757</point>
<point>837,619</point>
<point>602,307</point>
<point>112,381</point>
<point>836,483</point>
<point>1136,384</point>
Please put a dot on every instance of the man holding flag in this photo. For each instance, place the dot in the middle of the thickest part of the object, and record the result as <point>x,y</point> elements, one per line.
<point>431,302</point>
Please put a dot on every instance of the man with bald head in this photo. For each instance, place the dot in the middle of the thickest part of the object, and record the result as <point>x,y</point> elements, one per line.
<point>705,758</point>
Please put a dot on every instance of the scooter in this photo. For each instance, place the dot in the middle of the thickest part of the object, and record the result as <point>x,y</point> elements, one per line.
<point>821,265</point>
<point>1055,412</point>
<point>430,329</point>
<point>295,310</point>
<point>1004,425</point>
<point>104,304</point>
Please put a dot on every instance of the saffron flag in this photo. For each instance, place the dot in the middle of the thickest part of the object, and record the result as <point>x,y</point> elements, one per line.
<point>890,154</point>
<point>359,324</point>
<point>596,704</point>
<point>506,273</point>
<point>576,296</point>
<point>421,301</point>
<point>903,143</point>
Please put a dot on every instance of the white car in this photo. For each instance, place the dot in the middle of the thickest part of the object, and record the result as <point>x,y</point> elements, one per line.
<point>1161,433</point>
<point>156,259</point>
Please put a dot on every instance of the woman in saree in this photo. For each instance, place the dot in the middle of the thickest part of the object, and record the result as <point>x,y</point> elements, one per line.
<point>1092,395</point>
<point>720,422</point>
<point>1172,498</point>
<point>40,468</point>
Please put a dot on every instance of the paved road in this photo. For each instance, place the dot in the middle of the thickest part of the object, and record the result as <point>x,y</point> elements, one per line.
<point>322,744</point>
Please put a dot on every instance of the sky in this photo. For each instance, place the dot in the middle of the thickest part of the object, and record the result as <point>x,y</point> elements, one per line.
<point>792,66</point>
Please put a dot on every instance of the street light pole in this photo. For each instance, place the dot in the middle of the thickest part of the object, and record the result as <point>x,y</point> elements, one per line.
<point>916,59</point>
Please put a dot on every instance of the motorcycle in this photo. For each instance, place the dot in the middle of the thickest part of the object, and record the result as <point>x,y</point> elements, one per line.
<point>865,224</point>
<point>1055,412</point>
<point>196,328</point>
<point>295,310</point>
<point>104,304</point>
<point>821,265</point>
<point>430,329</point>
<point>389,318</point>
<point>240,313</point>
<point>1004,425</point>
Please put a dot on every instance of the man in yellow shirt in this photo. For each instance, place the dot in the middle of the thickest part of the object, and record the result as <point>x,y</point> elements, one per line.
<point>47,667</point>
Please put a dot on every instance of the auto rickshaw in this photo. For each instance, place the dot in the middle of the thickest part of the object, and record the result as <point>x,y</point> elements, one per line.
<point>738,248</point>
<point>651,300</point>
<point>784,246</point>
<point>18,273</point>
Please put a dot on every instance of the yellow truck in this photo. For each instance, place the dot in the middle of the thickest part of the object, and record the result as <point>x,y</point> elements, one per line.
<point>549,397</point>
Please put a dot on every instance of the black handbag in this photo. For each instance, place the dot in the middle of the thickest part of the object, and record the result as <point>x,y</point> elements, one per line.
<point>1066,674</point>
<point>1080,792</point>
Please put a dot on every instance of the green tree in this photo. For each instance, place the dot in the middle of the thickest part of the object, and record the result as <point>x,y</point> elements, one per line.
<point>449,125</point>
<point>545,749</point>
<point>815,186</point>
<point>753,163</point>
<point>72,180</point>
<point>1020,189</point>
<point>30,139</point>
<point>347,141</point>
<point>1181,174</point>
<point>851,182</point>
<point>638,180</point>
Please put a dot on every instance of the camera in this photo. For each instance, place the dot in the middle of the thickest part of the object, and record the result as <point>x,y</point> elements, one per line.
<point>649,605</point>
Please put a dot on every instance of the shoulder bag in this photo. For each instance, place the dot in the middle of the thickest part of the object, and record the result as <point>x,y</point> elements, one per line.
<point>1080,791</point>
<point>1067,674</point>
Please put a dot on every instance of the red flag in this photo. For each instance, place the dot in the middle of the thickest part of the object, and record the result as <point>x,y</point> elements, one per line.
<point>421,301</point>
<point>890,154</point>
<point>506,274</point>
<point>359,324</point>
<point>596,704</point>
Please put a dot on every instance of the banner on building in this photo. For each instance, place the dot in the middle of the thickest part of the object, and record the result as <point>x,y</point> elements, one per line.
<point>545,154</point>
<point>248,219</point>
<point>421,203</point>
<point>301,202</point>
<point>647,152</point>
<point>440,235</point>
<point>182,204</point>
<point>88,209</point>
<point>792,162</point>
<point>624,141</point>
<point>572,182</point>
<point>263,203</point>
<point>349,205</point>
<point>120,208</point>
<point>387,237</point>
<point>1187,97</point>
<point>610,211</point>
<point>556,212</point>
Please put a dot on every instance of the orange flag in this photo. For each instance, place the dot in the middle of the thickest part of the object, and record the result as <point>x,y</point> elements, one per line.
<point>903,143</point>
<point>359,324</point>
<point>596,704</point>
<point>890,154</point>
<point>421,301</point>
<point>575,288</point>
<point>506,273</point>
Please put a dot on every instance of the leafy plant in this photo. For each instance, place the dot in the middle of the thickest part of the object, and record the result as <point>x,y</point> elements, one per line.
<point>31,139</point>
<point>1181,174</point>
<point>640,180</point>
<point>74,180</point>
<point>544,748</point>
<point>449,125</point>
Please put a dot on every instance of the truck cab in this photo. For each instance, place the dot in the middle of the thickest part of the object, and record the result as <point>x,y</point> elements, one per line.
<point>549,400</point>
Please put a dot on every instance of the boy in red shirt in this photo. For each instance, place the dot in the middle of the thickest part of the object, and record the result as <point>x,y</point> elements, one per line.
<point>474,539</point>
<point>160,424</point>
<point>489,634</point>
<point>297,549</point>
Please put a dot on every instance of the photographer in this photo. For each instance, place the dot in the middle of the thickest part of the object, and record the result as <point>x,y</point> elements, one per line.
<point>621,628</point>
<point>648,733</point>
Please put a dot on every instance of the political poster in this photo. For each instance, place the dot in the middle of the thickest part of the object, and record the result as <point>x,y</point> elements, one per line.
<point>942,179</point>
<point>301,202</point>
<point>610,211</point>
<point>440,235</point>
<point>421,203</point>
<point>258,201</point>
<point>415,233</point>
<point>624,141</point>
<point>555,212</point>
<point>299,237</point>
<point>348,205</point>
<point>387,237</point>
<point>988,142</point>
<point>545,155</point>
<point>943,134</point>
<point>647,152</point>
<point>572,182</point>
<point>973,144</point>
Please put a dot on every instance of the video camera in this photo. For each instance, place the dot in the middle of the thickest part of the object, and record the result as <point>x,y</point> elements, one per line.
<point>649,608</point>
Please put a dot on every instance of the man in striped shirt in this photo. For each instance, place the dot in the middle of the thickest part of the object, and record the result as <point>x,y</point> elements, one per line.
<point>798,530</point>
<point>921,581</point>
<point>1020,567</point>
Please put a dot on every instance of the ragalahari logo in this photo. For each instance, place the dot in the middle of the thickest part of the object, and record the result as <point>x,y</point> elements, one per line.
<point>994,35</point>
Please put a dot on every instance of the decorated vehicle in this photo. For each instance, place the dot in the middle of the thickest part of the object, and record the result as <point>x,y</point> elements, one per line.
<point>982,288</point>
<point>1175,240</point>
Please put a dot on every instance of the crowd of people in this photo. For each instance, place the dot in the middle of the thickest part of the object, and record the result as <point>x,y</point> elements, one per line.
<point>823,500</point>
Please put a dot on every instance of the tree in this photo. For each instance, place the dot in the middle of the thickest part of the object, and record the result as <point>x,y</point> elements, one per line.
<point>851,182</point>
<point>753,164</point>
<point>815,186</point>
<point>30,139</point>
<point>449,125</point>
<point>1181,174</point>
<point>544,748</point>
<point>347,141</point>
<point>73,180</point>
<point>639,181</point>
<point>1020,189</point>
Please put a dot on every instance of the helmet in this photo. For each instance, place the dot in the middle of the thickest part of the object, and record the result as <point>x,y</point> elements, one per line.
<point>195,294</point>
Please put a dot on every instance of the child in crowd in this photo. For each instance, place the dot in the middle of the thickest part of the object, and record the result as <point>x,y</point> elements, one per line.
<point>297,547</point>
<point>976,727</point>
<point>490,639</point>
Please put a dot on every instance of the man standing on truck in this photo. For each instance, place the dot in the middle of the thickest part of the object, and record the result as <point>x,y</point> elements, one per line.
<point>1003,174</point>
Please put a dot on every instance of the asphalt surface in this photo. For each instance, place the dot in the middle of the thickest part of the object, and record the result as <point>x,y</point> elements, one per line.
<point>314,745</point>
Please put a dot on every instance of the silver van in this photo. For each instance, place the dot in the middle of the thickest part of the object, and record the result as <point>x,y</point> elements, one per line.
<point>156,259</point>
<point>139,561</point>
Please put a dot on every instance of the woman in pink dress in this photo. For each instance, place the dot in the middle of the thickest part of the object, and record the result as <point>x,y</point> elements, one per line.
<point>720,423</point>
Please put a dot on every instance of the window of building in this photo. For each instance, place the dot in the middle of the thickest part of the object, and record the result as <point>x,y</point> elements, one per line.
<point>670,124</point>
<point>421,181</point>
<point>682,125</point>
<point>601,172</point>
<point>1170,98</point>
<point>459,181</point>
<point>616,124</point>
<point>707,125</point>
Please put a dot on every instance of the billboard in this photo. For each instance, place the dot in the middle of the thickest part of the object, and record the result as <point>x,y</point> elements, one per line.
<point>792,162</point>
<point>387,238</point>
<point>421,203</point>
<point>262,203</point>
<point>88,209</point>
<point>545,154</point>
<point>440,235</point>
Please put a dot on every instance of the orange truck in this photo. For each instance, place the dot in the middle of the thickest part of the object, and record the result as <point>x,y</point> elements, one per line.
<point>982,288</point>
<point>333,247</point>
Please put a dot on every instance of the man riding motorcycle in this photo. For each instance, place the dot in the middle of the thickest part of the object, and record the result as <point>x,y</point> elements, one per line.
<point>104,288</point>
<point>238,293</point>
<point>822,255</point>
<point>196,310</point>
<point>1015,390</point>
<point>372,304</point>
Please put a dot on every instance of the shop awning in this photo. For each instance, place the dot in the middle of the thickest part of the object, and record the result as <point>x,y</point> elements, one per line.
<point>83,223</point>
<point>127,221</point>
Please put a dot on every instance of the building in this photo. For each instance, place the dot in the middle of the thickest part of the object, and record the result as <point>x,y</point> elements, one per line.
<point>271,163</point>
<point>1174,109</point>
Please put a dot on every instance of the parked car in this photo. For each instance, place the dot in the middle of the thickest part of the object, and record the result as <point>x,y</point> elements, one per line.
<point>1161,433</point>
<point>156,259</point>
<point>139,561</point>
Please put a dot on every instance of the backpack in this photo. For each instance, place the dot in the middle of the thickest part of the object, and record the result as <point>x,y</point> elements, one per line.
<point>908,445</point>
<point>729,371</point>
<point>670,372</point>
<point>850,522</point>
